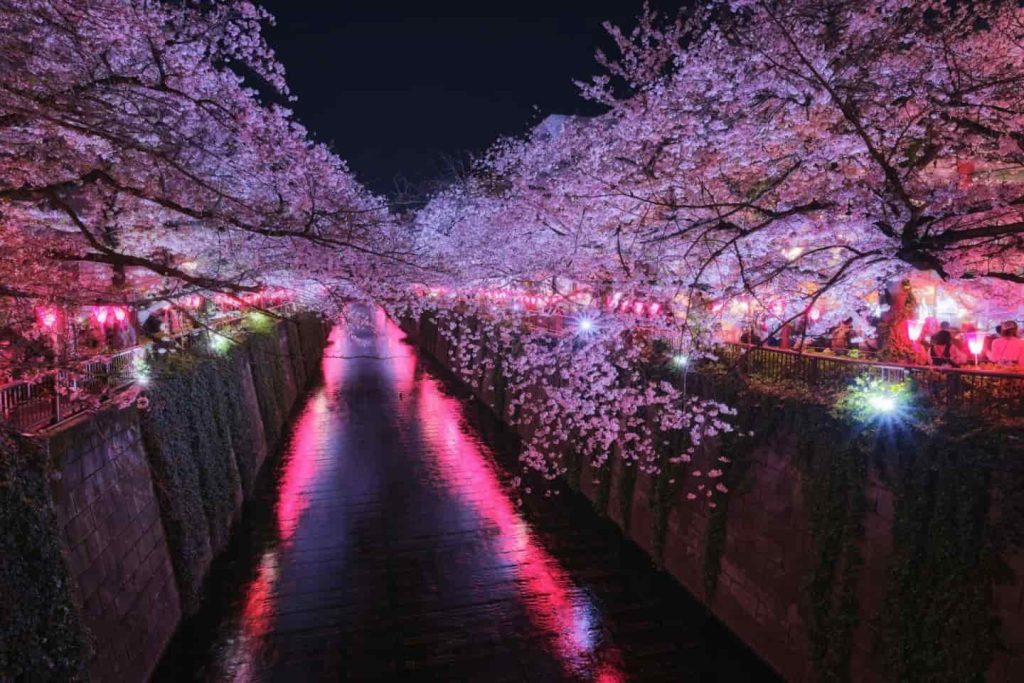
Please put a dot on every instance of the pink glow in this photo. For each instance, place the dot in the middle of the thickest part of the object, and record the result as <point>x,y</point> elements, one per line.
<point>654,308</point>
<point>914,328</point>
<point>119,314</point>
<point>48,316</point>
<point>302,468</point>
<point>555,605</point>
<point>976,342</point>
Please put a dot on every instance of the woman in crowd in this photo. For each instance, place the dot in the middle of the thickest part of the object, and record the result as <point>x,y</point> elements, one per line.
<point>1007,348</point>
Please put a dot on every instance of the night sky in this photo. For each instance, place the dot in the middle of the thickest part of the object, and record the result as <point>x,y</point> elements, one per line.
<point>400,86</point>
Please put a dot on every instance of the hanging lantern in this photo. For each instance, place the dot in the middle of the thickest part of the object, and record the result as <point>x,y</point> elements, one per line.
<point>101,315</point>
<point>120,314</point>
<point>654,308</point>
<point>47,316</point>
<point>814,314</point>
<point>976,342</point>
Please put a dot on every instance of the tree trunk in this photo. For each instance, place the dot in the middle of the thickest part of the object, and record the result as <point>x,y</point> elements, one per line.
<point>894,340</point>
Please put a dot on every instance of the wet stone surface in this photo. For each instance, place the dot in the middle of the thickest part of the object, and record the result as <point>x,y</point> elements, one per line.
<point>386,544</point>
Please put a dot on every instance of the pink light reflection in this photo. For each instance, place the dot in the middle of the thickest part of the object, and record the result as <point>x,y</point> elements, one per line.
<point>300,472</point>
<point>563,613</point>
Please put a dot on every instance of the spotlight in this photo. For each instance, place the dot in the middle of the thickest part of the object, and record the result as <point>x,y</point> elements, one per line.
<point>882,403</point>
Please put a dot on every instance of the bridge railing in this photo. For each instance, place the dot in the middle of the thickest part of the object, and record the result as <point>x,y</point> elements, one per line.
<point>28,406</point>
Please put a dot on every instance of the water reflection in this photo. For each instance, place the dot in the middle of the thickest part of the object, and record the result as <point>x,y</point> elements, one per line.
<point>387,545</point>
<point>558,608</point>
<point>315,426</point>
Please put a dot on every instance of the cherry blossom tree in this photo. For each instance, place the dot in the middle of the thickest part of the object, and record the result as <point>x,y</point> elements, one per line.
<point>150,140</point>
<point>789,153</point>
<point>780,161</point>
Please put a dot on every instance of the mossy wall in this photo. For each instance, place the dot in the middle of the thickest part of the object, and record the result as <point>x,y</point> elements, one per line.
<point>110,521</point>
<point>842,552</point>
<point>199,432</point>
<point>41,633</point>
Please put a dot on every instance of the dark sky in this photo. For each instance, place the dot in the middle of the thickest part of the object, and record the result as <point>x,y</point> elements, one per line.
<point>400,85</point>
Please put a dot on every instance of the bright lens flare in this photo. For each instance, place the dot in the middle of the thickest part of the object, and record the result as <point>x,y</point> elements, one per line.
<point>882,403</point>
<point>585,325</point>
<point>680,360</point>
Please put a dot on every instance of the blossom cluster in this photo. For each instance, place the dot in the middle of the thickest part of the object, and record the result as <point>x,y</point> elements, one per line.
<point>582,396</point>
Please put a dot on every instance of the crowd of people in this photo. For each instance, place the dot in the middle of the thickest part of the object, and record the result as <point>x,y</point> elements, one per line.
<point>947,346</point>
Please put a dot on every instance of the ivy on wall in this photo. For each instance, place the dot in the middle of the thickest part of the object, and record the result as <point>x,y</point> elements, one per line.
<point>200,444</point>
<point>952,522</point>
<point>168,435</point>
<point>41,634</point>
<point>938,622</point>
<point>269,379</point>
<point>834,478</point>
<point>245,435</point>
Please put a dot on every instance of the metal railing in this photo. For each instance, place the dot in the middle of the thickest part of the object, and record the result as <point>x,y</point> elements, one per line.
<point>29,406</point>
<point>999,391</point>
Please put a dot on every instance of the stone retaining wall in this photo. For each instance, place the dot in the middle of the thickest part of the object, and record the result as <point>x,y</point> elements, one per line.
<point>768,552</point>
<point>108,516</point>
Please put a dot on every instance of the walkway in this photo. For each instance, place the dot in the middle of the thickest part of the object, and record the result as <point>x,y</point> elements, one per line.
<point>388,546</point>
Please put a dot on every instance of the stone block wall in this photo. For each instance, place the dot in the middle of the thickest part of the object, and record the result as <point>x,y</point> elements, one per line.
<point>114,544</point>
<point>109,526</point>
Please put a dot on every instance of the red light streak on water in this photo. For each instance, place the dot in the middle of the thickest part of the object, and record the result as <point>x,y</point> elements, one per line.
<point>555,606</point>
<point>302,464</point>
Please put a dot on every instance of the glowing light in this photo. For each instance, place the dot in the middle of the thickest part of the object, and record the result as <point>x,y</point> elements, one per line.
<point>793,253</point>
<point>585,326</point>
<point>638,307</point>
<point>814,314</point>
<point>101,315</point>
<point>120,314</point>
<point>48,316</point>
<point>914,328</point>
<point>975,343</point>
<point>654,308</point>
<point>219,343</point>
<point>882,403</point>
<point>680,360</point>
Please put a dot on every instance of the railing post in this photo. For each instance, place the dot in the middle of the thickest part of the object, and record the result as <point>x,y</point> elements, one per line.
<point>56,397</point>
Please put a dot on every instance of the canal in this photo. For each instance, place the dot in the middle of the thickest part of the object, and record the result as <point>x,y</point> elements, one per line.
<point>386,543</point>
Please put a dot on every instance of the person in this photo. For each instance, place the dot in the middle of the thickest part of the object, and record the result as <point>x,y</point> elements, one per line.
<point>749,336</point>
<point>943,352</point>
<point>841,336</point>
<point>153,324</point>
<point>1008,348</point>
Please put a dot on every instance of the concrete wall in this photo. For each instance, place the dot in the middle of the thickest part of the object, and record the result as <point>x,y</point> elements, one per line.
<point>114,542</point>
<point>110,527</point>
<point>762,587</point>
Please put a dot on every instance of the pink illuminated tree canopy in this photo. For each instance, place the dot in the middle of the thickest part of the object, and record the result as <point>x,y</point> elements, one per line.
<point>782,151</point>
<point>145,137</point>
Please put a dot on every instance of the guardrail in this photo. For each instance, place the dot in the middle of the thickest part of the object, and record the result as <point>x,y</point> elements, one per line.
<point>1002,392</point>
<point>29,406</point>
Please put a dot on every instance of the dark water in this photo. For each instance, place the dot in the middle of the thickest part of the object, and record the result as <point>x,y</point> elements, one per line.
<point>386,545</point>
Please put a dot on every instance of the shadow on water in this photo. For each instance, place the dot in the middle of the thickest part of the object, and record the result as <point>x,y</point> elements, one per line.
<point>384,543</point>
